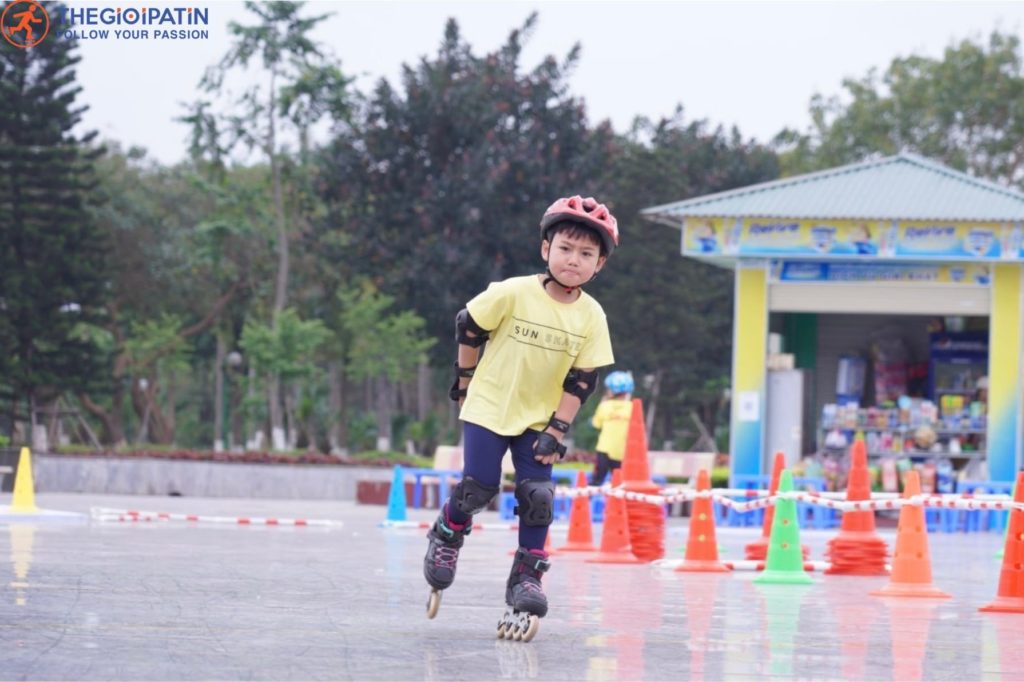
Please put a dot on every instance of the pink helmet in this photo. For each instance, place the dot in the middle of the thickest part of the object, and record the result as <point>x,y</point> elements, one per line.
<point>586,212</point>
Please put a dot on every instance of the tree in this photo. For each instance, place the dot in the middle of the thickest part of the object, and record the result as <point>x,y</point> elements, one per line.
<point>965,110</point>
<point>52,254</point>
<point>671,317</point>
<point>437,189</point>
<point>285,350</point>
<point>381,346</point>
<point>302,86</point>
<point>178,253</point>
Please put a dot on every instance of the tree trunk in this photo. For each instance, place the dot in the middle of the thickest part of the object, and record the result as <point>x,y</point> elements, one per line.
<point>277,432</point>
<point>290,421</point>
<point>423,385</point>
<point>336,435</point>
<point>218,396</point>
<point>652,402</point>
<point>112,427</point>
<point>384,409</point>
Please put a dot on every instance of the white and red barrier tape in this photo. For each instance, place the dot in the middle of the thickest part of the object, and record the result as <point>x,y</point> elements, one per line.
<point>742,565</point>
<point>102,514</point>
<point>761,499</point>
<point>427,524</point>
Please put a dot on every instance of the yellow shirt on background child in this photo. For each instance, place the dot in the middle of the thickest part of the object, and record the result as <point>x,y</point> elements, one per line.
<point>534,342</point>
<point>612,418</point>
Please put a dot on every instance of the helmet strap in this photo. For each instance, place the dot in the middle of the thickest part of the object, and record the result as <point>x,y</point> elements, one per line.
<point>551,278</point>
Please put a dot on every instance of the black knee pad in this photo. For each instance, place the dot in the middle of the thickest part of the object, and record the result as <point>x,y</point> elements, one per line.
<point>536,500</point>
<point>472,498</point>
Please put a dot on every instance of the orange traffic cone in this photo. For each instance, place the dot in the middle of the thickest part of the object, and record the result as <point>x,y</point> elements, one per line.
<point>581,529</point>
<point>615,547</point>
<point>911,564</point>
<point>646,521</point>
<point>858,549</point>
<point>701,547</point>
<point>758,549</point>
<point>1010,597</point>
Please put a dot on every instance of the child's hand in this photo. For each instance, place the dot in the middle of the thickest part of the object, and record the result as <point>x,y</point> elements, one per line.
<point>547,449</point>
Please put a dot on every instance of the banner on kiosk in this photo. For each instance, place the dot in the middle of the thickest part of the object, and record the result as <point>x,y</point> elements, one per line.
<point>852,239</point>
<point>976,274</point>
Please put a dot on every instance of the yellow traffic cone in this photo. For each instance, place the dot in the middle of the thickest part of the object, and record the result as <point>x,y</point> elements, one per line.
<point>24,501</point>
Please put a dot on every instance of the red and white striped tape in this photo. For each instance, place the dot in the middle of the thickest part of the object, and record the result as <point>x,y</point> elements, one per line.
<point>427,524</point>
<point>878,501</point>
<point>102,514</point>
<point>742,565</point>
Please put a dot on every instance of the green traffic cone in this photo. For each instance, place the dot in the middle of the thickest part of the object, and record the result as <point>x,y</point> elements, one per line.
<point>1006,531</point>
<point>785,562</point>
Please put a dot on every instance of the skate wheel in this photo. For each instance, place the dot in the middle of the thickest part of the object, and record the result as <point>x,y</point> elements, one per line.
<point>531,629</point>
<point>433,603</point>
<point>501,629</point>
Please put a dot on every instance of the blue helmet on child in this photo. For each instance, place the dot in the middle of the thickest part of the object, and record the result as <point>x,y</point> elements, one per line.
<point>619,382</point>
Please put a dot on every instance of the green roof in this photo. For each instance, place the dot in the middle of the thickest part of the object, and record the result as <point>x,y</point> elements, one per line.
<point>902,187</point>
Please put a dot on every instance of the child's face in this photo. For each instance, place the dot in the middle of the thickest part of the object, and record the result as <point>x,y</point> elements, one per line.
<point>572,260</point>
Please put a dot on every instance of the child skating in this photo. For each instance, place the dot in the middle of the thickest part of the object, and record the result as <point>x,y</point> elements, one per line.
<point>545,340</point>
<point>612,419</point>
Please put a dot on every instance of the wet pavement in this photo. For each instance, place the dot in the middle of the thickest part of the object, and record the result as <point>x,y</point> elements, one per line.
<point>171,601</point>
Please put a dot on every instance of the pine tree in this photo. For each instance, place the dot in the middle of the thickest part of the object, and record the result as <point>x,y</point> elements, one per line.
<point>52,254</point>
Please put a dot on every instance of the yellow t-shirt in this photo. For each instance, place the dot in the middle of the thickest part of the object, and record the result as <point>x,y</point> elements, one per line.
<point>612,418</point>
<point>534,342</point>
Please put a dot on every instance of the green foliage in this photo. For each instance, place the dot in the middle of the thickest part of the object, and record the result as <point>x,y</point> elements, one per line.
<point>670,317</point>
<point>288,349</point>
<point>378,457</point>
<point>362,430</point>
<point>53,255</point>
<point>380,343</point>
<point>437,187</point>
<point>157,343</point>
<point>965,110</point>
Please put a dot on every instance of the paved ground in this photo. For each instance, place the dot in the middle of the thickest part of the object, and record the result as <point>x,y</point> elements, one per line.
<point>164,601</point>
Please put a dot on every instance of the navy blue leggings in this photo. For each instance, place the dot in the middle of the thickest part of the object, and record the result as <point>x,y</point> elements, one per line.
<point>482,453</point>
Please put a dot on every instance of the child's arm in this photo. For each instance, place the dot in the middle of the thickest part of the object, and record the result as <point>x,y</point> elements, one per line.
<point>549,448</point>
<point>470,336</point>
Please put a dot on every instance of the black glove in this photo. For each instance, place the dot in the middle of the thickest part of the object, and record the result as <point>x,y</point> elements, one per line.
<point>548,445</point>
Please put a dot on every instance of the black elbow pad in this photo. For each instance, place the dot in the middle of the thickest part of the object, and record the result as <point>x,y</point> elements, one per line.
<point>580,383</point>
<point>464,322</point>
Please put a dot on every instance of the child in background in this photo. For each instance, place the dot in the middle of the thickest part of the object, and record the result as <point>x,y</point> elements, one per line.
<point>612,420</point>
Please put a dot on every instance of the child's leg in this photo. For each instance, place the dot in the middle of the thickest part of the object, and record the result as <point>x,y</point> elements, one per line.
<point>481,473</point>
<point>534,492</point>
<point>600,469</point>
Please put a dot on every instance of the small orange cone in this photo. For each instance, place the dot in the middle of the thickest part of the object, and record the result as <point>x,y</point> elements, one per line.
<point>1010,596</point>
<point>911,563</point>
<point>758,549</point>
<point>701,547</point>
<point>646,521</point>
<point>581,529</point>
<point>858,549</point>
<point>615,547</point>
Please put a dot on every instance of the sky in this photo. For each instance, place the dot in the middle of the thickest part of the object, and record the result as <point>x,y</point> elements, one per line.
<point>753,65</point>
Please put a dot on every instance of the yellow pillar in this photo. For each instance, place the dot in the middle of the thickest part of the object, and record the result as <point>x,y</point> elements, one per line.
<point>749,348</point>
<point>1004,374</point>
